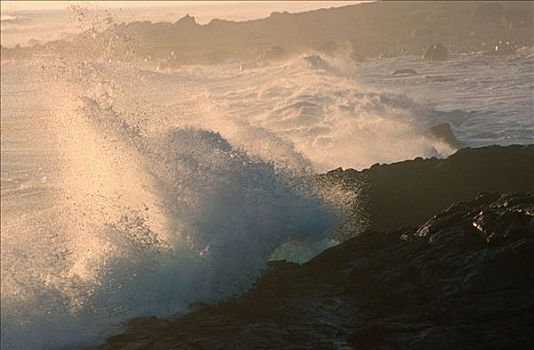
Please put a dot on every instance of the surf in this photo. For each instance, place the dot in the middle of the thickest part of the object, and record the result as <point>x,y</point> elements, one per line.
<point>176,188</point>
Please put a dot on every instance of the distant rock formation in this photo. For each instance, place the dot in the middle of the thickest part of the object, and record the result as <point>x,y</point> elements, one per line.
<point>186,22</point>
<point>436,52</point>
<point>463,27</point>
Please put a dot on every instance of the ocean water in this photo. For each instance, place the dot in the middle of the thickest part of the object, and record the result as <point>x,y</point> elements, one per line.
<point>486,99</point>
<point>128,191</point>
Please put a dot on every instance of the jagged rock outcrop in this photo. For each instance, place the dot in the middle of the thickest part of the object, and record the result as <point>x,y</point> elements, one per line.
<point>374,29</point>
<point>462,280</point>
<point>186,22</point>
<point>409,192</point>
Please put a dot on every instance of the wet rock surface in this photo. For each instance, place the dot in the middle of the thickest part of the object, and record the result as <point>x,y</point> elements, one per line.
<point>464,279</point>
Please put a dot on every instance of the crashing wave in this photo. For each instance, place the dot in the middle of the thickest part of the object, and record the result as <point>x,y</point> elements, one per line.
<point>225,213</point>
<point>179,187</point>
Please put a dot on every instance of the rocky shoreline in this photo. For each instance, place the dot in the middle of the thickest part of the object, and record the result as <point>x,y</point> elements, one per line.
<point>461,278</point>
<point>369,30</point>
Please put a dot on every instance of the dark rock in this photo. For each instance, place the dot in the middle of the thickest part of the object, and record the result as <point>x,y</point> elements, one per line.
<point>445,284</point>
<point>186,22</point>
<point>407,193</point>
<point>377,28</point>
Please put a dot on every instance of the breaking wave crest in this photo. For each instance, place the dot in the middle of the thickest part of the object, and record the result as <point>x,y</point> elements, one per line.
<point>215,218</point>
<point>177,187</point>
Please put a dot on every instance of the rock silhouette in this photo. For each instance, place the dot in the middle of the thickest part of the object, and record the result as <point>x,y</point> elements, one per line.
<point>407,193</point>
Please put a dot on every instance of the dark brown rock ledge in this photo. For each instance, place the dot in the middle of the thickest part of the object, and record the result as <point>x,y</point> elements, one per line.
<point>462,280</point>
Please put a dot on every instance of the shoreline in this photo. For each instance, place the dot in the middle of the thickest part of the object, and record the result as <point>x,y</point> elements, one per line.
<point>455,25</point>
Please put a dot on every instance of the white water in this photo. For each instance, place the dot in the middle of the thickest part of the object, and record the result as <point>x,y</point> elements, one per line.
<point>105,221</point>
<point>128,192</point>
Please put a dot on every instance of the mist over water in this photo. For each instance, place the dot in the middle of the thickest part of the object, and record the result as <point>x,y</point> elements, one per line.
<point>139,220</point>
<point>128,191</point>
